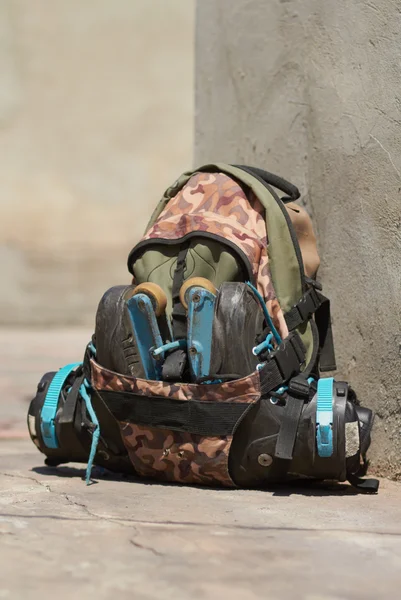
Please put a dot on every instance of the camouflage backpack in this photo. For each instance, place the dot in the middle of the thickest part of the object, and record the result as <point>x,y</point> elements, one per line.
<point>206,369</point>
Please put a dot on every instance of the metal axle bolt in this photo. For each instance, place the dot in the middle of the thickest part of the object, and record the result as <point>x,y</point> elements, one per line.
<point>265,460</point>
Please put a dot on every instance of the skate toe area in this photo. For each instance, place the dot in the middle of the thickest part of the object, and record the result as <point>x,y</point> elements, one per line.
<point>155,293</point>
<point>199,282</point>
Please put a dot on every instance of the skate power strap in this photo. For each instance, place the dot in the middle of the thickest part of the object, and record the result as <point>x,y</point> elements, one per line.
<point>50,405</point>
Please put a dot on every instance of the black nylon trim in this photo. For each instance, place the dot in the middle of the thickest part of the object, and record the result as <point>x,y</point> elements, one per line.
<point>192,416</point>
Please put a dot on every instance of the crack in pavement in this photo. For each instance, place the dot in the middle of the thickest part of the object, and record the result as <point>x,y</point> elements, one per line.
<point>133,541</point>
<point>133,523</point>
<point>17,476</point>
<point>95,516</point>
<point>121,521</point>
<point>148,548</point>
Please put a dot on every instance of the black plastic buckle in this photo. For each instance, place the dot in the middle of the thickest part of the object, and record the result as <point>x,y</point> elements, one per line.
<point>308,304</point>
<point>298,387</point>
<point>290,356</point>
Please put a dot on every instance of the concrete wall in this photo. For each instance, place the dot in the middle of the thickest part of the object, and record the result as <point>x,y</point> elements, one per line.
<point>96,120</point>
<point>311,90</point>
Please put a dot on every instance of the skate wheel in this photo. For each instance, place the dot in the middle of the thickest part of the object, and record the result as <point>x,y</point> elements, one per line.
<point>156,295</point>
<point>195,282</point>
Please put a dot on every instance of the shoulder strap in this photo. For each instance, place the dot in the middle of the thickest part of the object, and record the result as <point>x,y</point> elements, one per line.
<point>276,181</point>
<point>314,303</point>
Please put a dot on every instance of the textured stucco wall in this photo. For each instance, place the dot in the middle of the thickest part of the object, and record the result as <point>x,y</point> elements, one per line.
<point>96,120</point>
<point>311,90</point>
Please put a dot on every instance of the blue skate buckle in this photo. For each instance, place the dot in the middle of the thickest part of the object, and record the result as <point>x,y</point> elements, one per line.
<point>200,325</point>
<point>324,417</point>
<point>147,334</point>
<point>49,408</point>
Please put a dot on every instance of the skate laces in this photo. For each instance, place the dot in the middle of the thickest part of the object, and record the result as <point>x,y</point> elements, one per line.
<point>84,391</point>
<point>268,318</point>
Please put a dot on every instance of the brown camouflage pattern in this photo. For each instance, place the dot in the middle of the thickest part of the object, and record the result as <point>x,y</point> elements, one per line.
<point>172,455</point>
<point>215,203</point>
<point>178,456</point>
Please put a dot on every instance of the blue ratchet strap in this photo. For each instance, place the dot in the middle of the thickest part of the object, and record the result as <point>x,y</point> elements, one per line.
<point>324,417</point>
<point>49,408</point>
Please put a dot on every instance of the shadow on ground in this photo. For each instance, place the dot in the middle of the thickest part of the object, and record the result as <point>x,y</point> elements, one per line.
<point>305,488</point>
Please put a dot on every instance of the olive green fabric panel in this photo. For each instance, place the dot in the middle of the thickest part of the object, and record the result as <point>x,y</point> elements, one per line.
<point>205,258</point>
<point>211,260</point>
<point>156,265</point>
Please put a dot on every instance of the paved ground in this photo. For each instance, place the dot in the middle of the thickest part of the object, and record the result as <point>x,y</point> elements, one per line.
<point>122,538</point>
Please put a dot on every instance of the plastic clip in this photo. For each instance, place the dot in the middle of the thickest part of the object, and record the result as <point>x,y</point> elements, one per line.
<point>324,417</point>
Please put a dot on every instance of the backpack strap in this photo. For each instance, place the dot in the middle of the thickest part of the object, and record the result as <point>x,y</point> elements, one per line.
<point>297,395</point>
<point>276,181</point>
<point>284,366</point>
<point>314,303</point>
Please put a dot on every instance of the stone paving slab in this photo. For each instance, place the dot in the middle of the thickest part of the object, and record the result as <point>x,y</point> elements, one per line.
<point>128,538</point>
